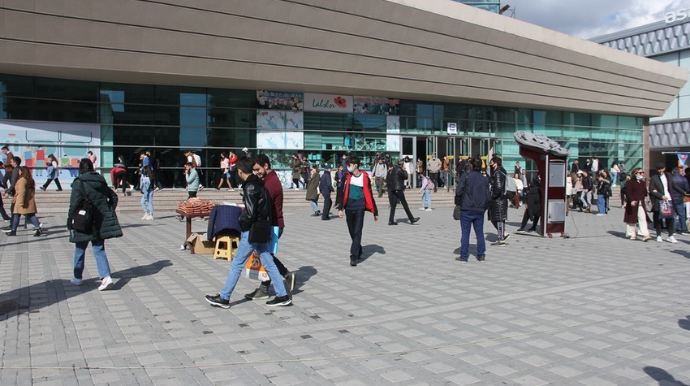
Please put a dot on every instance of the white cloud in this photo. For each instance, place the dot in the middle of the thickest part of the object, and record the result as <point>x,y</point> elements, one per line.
<point>590,18</point>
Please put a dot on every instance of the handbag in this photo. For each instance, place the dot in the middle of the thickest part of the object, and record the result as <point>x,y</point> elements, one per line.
<point>648,206</point>
<point>82,217</point>
<point>457,211</point>
<point>260,232</point>
<point>665,209</point>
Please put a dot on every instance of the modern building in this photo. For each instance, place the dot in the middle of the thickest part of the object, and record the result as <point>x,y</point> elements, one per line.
<point>666,41</point>
<point>319,77</point>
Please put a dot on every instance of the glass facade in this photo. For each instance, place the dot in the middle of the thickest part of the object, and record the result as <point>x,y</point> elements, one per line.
<point>169,120</point>
<point>488,5</point>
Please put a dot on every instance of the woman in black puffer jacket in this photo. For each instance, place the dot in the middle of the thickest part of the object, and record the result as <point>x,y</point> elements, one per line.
<point>105,224</point>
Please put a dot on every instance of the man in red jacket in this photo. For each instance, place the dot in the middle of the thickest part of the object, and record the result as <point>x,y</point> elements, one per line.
<point>262,168</point>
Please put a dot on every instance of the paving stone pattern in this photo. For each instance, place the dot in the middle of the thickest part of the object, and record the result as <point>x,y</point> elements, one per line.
<point>595,309</point>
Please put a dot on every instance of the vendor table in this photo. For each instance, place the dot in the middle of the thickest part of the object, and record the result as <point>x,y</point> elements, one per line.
<point>189,217</point>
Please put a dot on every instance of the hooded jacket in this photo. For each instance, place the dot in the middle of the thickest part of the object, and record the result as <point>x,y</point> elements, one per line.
<point>104,200</point>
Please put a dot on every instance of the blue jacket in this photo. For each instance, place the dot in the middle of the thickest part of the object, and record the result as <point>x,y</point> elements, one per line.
<point>192,180</point>
<point>681,188</point>
<point>476,192</point>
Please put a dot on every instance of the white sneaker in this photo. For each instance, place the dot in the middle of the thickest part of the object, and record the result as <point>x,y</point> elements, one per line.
<point>422,208</point>
<point>659,239</point>
<point>428,209</point>
<point>106,284</point>
<point>201,187</point>
<point>75,281</point>
<point>146,216</point>
<point>672,239</point>
<point>150,216</point>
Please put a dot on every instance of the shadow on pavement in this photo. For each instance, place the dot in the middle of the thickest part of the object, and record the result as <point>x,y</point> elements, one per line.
<point>684,323</point>
<point>303,274</point>
<point>47,293</point>
<point>662,376</point>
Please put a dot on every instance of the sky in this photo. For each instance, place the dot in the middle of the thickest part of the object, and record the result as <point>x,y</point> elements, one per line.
<point>591,18</point>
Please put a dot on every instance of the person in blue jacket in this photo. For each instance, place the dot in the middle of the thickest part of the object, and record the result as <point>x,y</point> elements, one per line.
<point>473,195</point>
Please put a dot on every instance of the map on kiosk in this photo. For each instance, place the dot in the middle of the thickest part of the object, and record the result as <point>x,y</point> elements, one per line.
<point>541,142</point>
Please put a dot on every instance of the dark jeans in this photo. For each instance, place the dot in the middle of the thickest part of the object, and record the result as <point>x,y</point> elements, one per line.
<point>57,183</point>
<point>191,194</point>
<point>327,203</point>
<point>120,180</point>
<point>4,214</point>
<point>670,223</point>
<point>472,219</point>
<point>355,222</point>
<point>31,216</point>
<point>395,196</point>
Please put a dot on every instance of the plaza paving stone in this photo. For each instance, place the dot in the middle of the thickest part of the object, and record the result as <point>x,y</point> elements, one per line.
<point>592,309</point>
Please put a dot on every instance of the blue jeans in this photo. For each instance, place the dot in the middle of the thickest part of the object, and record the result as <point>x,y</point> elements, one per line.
<point>601,203</point>
<point>314,205</point>
<point>426,198</point>
<point>469,218</point>
<point>681,217</point>
<point>147,197</point>
<point>244,250</point>
<point>98,247</point>
<point>615,178</point>
<point>31,217</point>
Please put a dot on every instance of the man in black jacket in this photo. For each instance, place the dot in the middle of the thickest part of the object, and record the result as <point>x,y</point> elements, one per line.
<point>396,178</point>
<point>257,207</point>
<point>660,187</point>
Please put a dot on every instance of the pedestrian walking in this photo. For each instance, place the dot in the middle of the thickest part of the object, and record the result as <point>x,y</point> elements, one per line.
<point>53,173</point>
<point>635,214</point>
<point>357,198</point>
<point>24,203</point>
<point>91,186</point>
<point>148,188</point>
<point>257,207</point>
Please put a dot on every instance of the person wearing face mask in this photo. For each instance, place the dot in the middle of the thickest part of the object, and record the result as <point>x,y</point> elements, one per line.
<point>357,198</point>
<point>635,214</point>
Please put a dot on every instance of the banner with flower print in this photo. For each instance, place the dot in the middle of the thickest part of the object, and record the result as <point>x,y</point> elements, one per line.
<point>328,103</point>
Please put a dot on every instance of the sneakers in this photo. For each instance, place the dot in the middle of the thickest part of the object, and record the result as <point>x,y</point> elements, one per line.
<point>428,210</point>
<point>460,259</point>
<point>672,239</point>
<point>43,188</point>
<point>481,258</point>
<point>422,208</point>
<point>353,260</point>
<point>647,238</point>
<point>392,223</point>
<point>521,231</point>
<point>414,220</point>
<point>506,236</point>
<point>499,243</point>
<point>290,281</point>
<point>146,216</point>
<point>106,284</point>
<point>279,301</point>
<point>217,301</point>
<point>150,217</point>
<point>659,239</point>
<point>258,294</point>
<point>38,232</point>
<point>75,281</point>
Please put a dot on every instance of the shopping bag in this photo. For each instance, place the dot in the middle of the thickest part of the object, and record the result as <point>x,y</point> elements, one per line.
<point>254,269</point>
<point>275,232</point>
<point>665,209</point>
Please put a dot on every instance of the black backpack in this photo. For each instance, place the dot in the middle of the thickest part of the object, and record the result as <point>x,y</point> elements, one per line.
<point>82,216</point>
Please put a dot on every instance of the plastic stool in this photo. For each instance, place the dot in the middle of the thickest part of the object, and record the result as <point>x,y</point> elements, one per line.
<point>224,248</point>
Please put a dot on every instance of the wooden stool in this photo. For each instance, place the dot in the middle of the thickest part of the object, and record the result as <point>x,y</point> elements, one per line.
<point>224,248</point>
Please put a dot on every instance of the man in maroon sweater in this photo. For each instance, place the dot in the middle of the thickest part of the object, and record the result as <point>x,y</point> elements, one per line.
<point>262,168</point>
